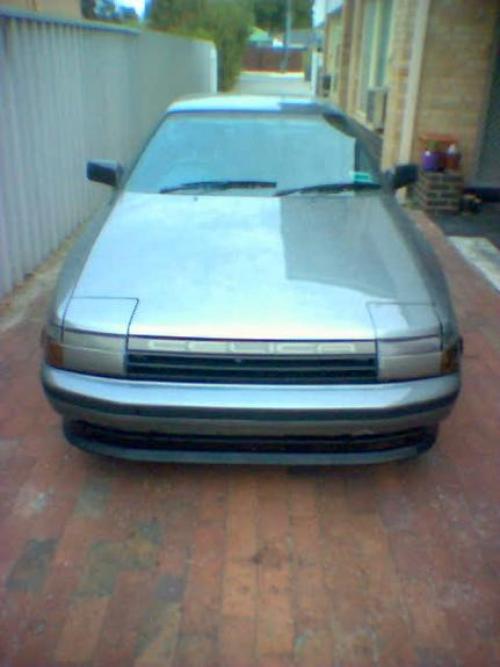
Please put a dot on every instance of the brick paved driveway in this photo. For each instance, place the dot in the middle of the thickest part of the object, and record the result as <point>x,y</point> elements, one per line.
<point>117,564</point>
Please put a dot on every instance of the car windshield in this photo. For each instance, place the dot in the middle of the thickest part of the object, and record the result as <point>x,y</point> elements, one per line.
<point>254,153</point>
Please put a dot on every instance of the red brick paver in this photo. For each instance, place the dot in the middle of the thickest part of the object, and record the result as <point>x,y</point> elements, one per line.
<point>108,563</point>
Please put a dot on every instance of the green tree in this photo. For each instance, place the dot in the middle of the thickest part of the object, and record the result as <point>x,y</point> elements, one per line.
<point>225,22</point>
<point>88,9</point>
<point>228,23</point>
<point>174,15</point>
<point>100,10</point>
<point>270,14</point>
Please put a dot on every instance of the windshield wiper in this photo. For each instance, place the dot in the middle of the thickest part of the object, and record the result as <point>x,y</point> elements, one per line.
<point>330,187</point>
<point>219,185</point>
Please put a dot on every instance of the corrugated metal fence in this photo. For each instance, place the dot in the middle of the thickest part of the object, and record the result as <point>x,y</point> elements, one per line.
<point>70,91</point>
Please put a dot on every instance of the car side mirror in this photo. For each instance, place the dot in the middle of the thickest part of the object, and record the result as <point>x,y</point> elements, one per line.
<point>108,172</point>
<point>402,175</point>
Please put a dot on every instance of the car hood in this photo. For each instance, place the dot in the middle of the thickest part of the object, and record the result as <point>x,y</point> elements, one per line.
<point>253,267</point>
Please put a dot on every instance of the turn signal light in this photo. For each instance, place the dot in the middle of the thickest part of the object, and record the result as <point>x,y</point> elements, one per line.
<point>53,350</point>
<point>450,358</point>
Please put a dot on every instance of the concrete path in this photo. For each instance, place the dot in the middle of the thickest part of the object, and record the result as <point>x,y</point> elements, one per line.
<point>482,254</point>
<point>477,238</point>
<point>272,83</point>
<point>116,564</point>
<point>485,224</point>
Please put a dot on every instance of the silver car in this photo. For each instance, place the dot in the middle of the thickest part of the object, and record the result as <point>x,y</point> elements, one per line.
<point>252,293</point>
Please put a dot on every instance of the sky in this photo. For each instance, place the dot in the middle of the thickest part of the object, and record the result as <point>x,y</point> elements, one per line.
<point>138,5</point>
<point>319,9</point>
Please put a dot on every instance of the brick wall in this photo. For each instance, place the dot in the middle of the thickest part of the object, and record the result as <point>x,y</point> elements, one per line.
<point>27,5</point>
<point>60,7</point>
<point>356,36</point>
<point>436,191</point>
<point>333,40</point>
<point>399,60</point>
<point>455,72</point>
<point>268,59</point>
<point>455,75</point>
<point>68,8</point>
<point>341,94</point>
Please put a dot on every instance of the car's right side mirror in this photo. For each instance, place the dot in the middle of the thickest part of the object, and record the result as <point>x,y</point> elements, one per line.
<point>108,172</point>
<point>402,175</point>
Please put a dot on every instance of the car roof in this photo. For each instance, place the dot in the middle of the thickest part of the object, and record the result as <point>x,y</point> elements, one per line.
<point>259,103</point>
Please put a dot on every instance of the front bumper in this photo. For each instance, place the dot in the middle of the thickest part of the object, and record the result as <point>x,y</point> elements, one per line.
<point>345,414</point>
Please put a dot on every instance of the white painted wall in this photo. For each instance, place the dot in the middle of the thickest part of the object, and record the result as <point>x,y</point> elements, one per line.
<point>71,91</point>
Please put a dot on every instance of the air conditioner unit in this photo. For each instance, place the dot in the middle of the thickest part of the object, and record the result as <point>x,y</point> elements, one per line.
<point>375,107</point>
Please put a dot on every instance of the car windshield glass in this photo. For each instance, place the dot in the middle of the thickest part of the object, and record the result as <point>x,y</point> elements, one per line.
<point>290,151</point>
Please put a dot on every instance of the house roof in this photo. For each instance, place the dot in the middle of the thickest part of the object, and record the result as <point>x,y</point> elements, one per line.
<point>305,37</point>
<point>259,36</point>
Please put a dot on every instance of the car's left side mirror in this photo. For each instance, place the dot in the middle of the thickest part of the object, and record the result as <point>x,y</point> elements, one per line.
<point>108,172</point>
<point>402,175</point>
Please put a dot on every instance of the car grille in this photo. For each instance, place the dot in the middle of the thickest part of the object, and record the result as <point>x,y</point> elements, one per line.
<point>253,369</point>
<point>263,444</point>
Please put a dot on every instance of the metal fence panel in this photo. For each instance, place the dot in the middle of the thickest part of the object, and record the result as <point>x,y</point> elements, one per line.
<point>70,91</point>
